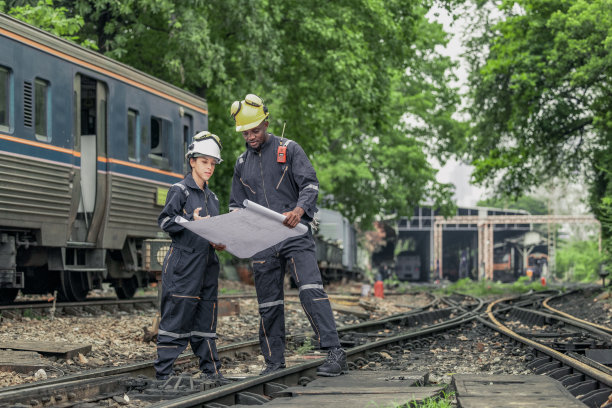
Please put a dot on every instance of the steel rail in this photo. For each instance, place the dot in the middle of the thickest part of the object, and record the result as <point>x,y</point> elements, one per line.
<point>230,350</point>
<point>47,387</point>
<point>578,323</point>
<point>229,394</point>
<point>578,365</point>
<point>569,316</point>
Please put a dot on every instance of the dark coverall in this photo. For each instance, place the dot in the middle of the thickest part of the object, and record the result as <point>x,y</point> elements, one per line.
<point>190,277</point>
<point>281,187</point>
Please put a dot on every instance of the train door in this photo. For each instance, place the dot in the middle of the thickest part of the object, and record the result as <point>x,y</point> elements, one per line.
<point>90,140</point>
<point>83,262</point>
<point>187,125</point>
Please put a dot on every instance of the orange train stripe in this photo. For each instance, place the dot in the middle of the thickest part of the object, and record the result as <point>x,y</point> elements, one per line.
<point>98,69</point>
<point>138,166</point>
<point>39,144</point>
<point>78,154</point>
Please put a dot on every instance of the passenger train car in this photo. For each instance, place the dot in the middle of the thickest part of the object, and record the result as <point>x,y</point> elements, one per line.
<point>88,149</point>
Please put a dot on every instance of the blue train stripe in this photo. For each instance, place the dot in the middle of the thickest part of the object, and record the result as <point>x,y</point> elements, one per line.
<point>32,150</point>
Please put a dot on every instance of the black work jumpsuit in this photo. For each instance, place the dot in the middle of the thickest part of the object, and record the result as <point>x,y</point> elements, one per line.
<point>190,279</point>
<point>282,187</point>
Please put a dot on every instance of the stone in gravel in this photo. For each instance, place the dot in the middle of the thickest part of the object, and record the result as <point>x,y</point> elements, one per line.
<point>96,361</point>
<point>253,369</point>
<point>40,374</point>
<point>122,400</point>
<point>83,359</point>
<point>386,355</point>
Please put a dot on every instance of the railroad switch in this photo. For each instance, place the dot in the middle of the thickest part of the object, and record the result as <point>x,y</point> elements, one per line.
<point>146,389</point>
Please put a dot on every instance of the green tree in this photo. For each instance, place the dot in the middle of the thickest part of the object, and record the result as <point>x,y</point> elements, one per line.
<point>531,204</point>
<point>45,15</point>
<point>541,94</point>
<point>359,83</point>
<point>579,261</point>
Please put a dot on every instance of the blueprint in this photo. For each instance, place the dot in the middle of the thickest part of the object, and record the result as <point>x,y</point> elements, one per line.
<point>244,232</point>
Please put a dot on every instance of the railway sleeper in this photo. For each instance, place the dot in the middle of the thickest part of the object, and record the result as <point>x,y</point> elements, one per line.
<point>548,367</point>
<point>250,398</point>
<point>597,398</point>
<point>560,372</point>
<point>539,361</point>
<point>571,379</point>
<point>583,387</point>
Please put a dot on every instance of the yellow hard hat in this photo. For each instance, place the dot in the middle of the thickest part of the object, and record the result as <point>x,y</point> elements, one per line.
<point>249,112</point>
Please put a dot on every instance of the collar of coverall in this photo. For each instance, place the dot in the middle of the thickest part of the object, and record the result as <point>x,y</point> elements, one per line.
<point>263,146</point>
<point>190,182</point>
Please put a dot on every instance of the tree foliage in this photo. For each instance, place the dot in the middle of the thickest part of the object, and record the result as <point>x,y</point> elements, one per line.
<point>358,83</point>
<point>578,261</point>
<point>541,94</point>
<point>531,204</point>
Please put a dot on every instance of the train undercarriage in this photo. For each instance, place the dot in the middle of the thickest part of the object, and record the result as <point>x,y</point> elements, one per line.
<point>73,271</point>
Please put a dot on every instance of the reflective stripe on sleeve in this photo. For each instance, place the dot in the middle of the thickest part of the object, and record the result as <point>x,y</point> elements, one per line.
<point>165,221</point>
<point>313,186</point>
<point>182,187</point>
<point>310,286</point>
<point>268,304</point>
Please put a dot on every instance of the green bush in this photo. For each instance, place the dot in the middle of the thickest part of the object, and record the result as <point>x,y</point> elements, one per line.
<point>579,261</point>
<point>485,287</point>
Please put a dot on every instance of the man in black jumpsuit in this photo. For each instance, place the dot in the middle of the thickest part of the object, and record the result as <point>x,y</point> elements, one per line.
<point>190,274</point>
<point>276,173</point>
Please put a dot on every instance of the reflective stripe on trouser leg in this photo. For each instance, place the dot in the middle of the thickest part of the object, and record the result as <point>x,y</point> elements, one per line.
<point>168,349</point>
<point>172,338</point>
<point>204,329</point>
<point>314,299</point>
<point>268,277</point>
<point>206,349</point>
<point>203,336</point>
<point>184,319</point>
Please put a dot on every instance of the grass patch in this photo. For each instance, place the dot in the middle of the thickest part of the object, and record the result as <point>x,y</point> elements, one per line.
<point>485,287</point>
<point>443,401</point>
<point>30,314</point>
<point>226,291</point>
<point>306,347</point>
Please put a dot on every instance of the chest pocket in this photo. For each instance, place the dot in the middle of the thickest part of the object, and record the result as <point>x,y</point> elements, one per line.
<point>283,176</point>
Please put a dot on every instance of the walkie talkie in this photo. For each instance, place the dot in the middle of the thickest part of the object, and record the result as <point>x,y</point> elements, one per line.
<point>281,153</point>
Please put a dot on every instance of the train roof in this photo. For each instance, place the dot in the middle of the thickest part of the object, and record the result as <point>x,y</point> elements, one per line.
<point>67,50</point>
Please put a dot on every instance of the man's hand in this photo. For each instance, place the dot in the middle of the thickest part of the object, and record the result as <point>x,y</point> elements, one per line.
<point>293,217</point>
<point>218,247</point>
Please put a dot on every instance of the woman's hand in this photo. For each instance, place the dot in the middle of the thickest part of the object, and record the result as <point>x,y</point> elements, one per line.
<point>196,214</point>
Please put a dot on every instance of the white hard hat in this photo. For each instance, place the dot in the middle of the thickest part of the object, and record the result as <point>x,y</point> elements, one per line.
<point>205,144</point>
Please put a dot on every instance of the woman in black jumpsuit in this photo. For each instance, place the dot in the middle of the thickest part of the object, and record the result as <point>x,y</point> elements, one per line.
<point>190,272</point>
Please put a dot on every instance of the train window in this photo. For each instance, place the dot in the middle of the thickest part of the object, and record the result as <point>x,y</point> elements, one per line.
<point>161,135</point>
<point>42,108</point>
<point>133,130</point>
<point>5,98</point>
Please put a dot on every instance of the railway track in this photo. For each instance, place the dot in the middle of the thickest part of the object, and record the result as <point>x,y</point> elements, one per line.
<point>41,308</point>
<point>561,346</point>
<point>97,383</point>
<point>367,344</point>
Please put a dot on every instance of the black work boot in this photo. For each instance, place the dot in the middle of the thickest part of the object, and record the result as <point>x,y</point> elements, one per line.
<point>271,367</point>
<point>335,363</point>
<point>217,377</point>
